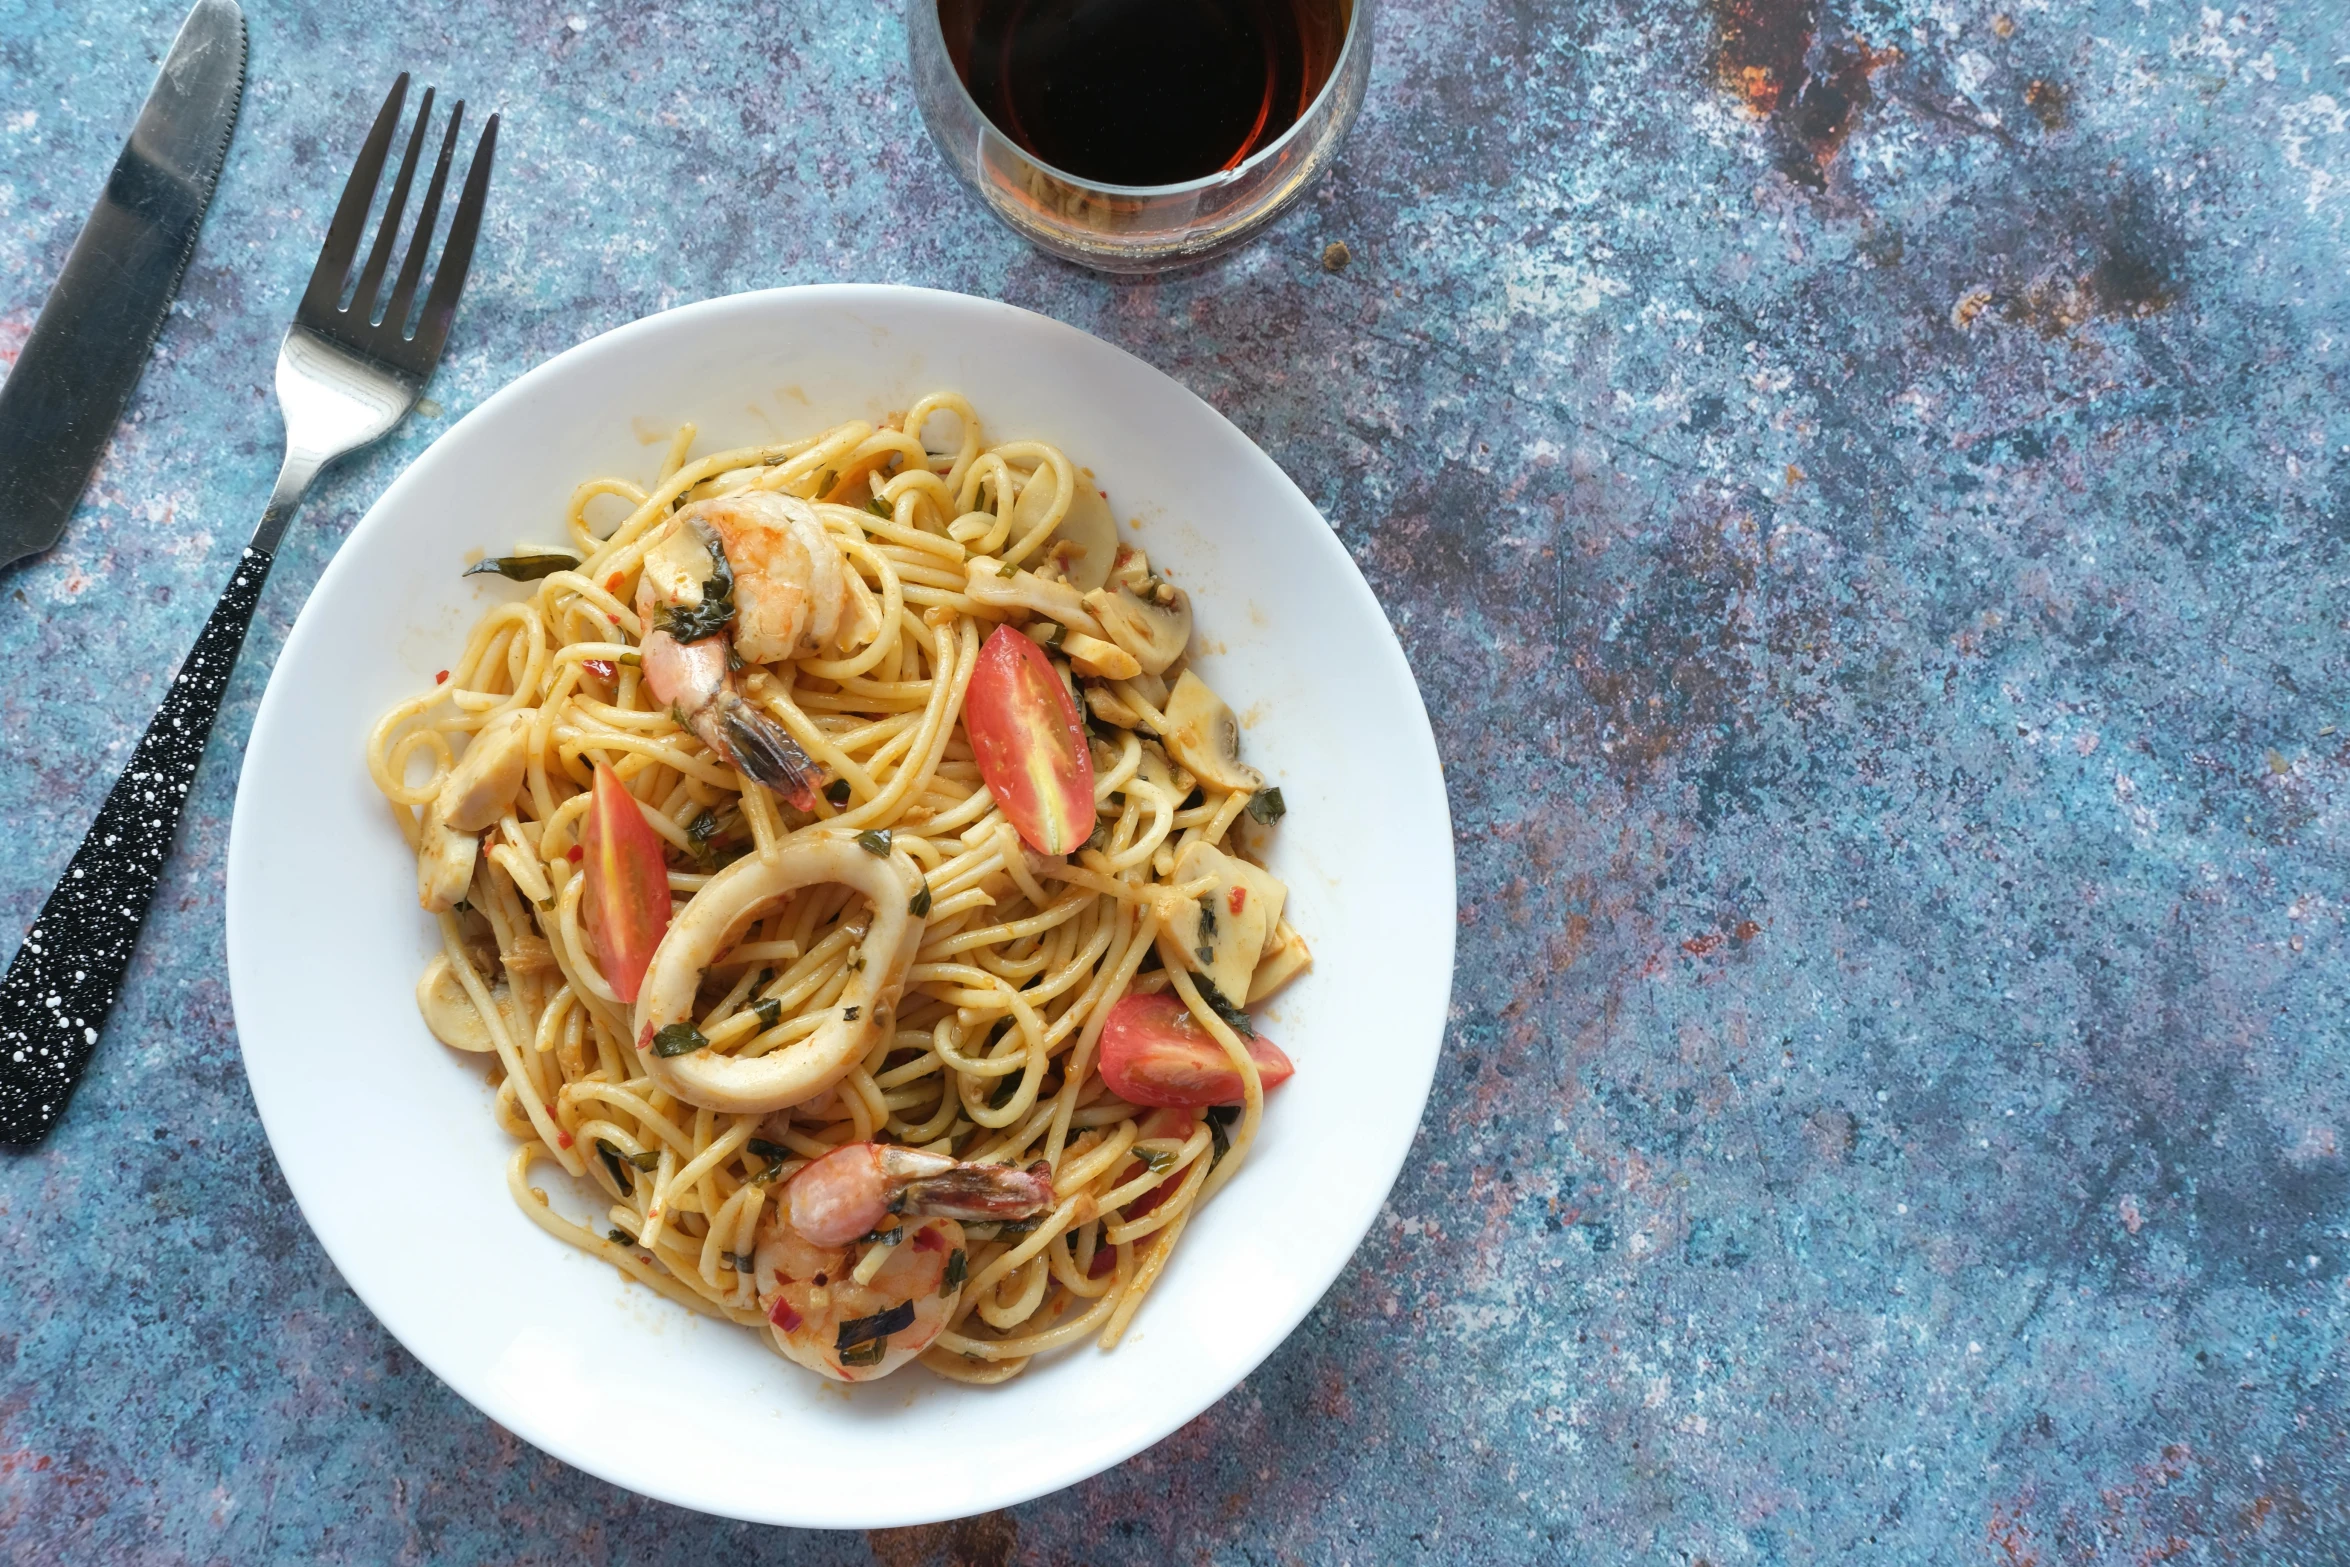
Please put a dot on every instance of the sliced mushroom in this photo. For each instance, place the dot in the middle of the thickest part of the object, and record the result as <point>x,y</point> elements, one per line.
<point>1038,493</point>
<point>1155,633</point>
<point>1109,709</point>
<point>1155,768</point>
<point>483,783</point>
<point>444,862</point>
<point>1101,660</point>
<point>1224,931</point>
<point>1203,735</point>
<point>450,1013</point>
<point>1287,959</point>
<point>864,617</point>
<point>1086,542</point>
<point>1151,688</point>
<point>985,582</point>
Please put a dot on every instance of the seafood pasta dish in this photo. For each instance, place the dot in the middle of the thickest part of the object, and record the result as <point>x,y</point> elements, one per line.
<point>860,895</point>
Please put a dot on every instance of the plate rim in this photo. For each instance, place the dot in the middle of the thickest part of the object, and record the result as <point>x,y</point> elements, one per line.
<point>1416,744</point>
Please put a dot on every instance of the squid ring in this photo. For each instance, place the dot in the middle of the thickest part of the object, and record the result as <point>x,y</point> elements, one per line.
<point>806,1067</point>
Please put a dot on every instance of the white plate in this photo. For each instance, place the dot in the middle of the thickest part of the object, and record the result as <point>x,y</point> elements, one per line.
<point>386,1139</point>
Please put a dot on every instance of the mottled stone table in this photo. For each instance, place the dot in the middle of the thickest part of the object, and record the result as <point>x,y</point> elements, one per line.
<point>1867,497</point>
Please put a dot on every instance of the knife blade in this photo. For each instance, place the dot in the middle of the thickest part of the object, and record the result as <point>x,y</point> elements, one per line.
<point>86,352</point>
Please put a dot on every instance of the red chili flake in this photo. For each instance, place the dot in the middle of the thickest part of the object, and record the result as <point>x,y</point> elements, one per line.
<point>1103,1261</point>
<point>601,668</point>
<point>576,853</point>
<point>612,584</point>
<point>440,678</point>
<point>783,1316</point>
<point>644,1040</point>
<point>1239,899</point>
<point>930,1240</point>
<point>563,1139</point>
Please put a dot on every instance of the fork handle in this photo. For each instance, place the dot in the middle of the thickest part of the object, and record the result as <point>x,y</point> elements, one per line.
<point>66,976</point>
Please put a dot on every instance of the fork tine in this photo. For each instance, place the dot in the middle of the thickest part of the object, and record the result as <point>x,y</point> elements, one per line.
<point>342,235</point>
<point>379,256</point>
<point>412,268</point>
<point>432,330</point>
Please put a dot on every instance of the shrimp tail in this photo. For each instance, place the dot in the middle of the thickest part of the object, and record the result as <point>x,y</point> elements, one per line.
<point>979,1192</point>
<point>759,746</point>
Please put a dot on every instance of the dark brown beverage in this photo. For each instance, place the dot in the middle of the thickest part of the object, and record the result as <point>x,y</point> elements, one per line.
<point>1144,92</point>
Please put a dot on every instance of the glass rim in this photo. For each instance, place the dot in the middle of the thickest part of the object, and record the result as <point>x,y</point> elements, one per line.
<point>1356,31</point>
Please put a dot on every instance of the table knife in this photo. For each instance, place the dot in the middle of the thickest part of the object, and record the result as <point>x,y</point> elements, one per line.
<point>78,368</point>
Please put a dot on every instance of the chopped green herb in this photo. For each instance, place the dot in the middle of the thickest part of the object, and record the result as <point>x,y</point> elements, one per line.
<point>770,1011</point>
<point>679,1039</point>
<point>1194,800</point>
<point>1220,1119</point>
<point>868,1353</point>
<point>745,1262</point>
<point>919,907</point>
<point>648,1161</point>
<point>461,907</point>
<point>1007,569</point>
<point>726,1261</point>
<point>1207,917</point>
<point>619,1237</point>
<point>1266,807</point>
<point>873,1329</point>
<point>1005,1087</point>
<point>958,1269</point>
<point>767,1150</point>
<point>698,834</point>
<point>875,842</point>
<point>522,568</point>
<point>1222,1006</point>
<point>881,508</point>
<point>617,1163</point>
<point>850,1014</point>
<point>1054,634</point>
<point>1207,954</point>
<point>1015,1230</point>
<point>889,1237</point>
<point>837,791</point>
<point>1156,1160</point>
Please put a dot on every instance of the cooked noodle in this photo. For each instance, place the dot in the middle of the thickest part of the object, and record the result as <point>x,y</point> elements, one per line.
<point>992,1053</point>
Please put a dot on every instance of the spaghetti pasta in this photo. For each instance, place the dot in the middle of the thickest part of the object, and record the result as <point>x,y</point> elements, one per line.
<point>979,1059</point>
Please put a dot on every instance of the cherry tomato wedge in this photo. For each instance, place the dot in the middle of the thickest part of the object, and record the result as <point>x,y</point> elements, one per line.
<point>1030,744</point>
<point>627,901</point>
<point>1154,1052</point>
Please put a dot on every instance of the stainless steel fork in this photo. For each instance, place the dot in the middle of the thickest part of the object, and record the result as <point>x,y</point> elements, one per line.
<point>345,376</point>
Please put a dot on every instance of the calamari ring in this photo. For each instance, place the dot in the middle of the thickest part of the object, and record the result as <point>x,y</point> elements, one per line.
<point>806,1067</point>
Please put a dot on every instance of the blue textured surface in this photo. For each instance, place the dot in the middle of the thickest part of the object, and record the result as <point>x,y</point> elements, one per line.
<point>1868,503</point>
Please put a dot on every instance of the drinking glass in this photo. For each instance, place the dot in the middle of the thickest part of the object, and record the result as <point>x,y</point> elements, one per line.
<point>1131,228</point>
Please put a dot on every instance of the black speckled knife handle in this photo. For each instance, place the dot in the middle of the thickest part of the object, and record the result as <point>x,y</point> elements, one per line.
<point>57,993</point>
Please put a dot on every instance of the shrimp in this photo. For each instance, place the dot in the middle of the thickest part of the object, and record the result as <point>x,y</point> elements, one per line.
<point>762,565</point>
<point>846,1317</point>
<point>824,1318</point>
